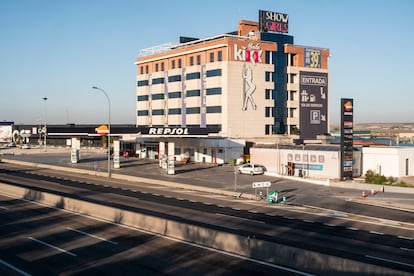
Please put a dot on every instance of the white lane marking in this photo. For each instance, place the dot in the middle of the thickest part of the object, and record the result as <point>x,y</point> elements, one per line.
<point>174,239</point>
<point>352,228</point>
<point>388,260</point>
<point>329,224</point>
<point>306,220</point>
<point>14,268</point>
<point>406,238</point>
<point>359,218</point>
<point>4,208</point>
<point>377,233</point>
<point>91,235</point>
<point>407,249</point>
<point>52,246</point>
<point>246,219</point>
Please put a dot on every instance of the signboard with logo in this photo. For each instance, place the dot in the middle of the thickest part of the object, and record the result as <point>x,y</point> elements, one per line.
<point>250,52</point>
<point>6,132</point>
<point>312,58</point>
<point>273,22</point>
<point>177,131</point>
<point>313,104</point>
<point>347,149</point>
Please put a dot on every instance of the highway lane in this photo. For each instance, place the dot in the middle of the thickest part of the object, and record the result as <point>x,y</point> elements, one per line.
<point>311,231</point>
<point>40,240</point>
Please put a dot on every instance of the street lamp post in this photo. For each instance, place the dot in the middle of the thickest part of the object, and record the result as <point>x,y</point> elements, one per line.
<point>44,120</point>
<point>109,129</point>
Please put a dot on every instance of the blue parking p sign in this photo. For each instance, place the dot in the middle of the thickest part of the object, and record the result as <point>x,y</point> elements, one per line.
<point>315,117</point>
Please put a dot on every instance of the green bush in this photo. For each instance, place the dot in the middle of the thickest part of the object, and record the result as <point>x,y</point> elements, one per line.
<point>375,178</point>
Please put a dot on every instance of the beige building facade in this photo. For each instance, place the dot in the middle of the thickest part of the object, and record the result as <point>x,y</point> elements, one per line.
<point>230,89</point>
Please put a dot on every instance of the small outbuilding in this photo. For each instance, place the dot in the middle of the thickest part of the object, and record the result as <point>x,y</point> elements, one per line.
<point>389,161</point>
<point>314,161</point>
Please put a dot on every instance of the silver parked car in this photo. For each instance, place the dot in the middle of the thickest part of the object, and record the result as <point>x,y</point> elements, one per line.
<point>251,169</point>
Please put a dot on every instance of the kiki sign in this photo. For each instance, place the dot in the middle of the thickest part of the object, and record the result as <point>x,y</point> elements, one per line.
<point>251,53</point>
<point>273,22</point>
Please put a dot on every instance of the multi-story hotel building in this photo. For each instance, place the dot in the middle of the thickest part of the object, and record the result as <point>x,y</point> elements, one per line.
<point>210,96</point>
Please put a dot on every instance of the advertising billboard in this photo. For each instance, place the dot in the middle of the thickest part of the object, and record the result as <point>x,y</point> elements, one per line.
<point>313,104</point>
<point>347,129</point>
<point>273,22</point>
<point>6,132</point>
<point>312,58</point>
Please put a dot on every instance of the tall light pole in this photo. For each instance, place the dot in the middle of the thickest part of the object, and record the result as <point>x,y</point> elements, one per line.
<point>44,120</point>
<point>109,129</point>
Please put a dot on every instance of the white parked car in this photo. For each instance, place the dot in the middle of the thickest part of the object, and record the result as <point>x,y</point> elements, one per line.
<point>251,169</point>
<point>26,146</point>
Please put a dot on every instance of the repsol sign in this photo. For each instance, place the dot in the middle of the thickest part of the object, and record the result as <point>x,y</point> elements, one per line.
<point>168,131</point>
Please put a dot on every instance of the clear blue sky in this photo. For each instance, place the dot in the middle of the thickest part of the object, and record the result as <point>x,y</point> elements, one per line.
<point>59,49</point>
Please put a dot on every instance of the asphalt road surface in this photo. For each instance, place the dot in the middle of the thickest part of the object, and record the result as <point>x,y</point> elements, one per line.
<point>33,240</point>
<point>39,240</point>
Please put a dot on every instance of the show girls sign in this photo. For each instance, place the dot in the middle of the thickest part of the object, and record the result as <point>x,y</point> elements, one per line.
<point>273,22</point>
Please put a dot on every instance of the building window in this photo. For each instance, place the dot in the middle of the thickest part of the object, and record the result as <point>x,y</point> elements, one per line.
<point>219,56</point>
<point>268,94</point>
<point>213,91</point>
<point>191,61</point>
<point>157,96</point>
<point>174,111</point>
<point>193,110</point>
<point>292,60</point>
<point>142,113</point>
<point>142,70</point>
<point>268,111</point>
<point>193,93</point>
<point>142,98</point>
<point>213,109</point>
<point>192,76</point>
<point>212,57</point>
<point>157,80</point>
<point>156,67</point>
<point>268,129</point>
<point>173,64</point>
<point>198,60</point>
<point>174,78</point>
<point>162,66</point>
<point>174,95</point>
<point>213,73</point>
<point>157,112</point>
<point>179,63</point>
<point>269,76</point>
<point>142,83</point>
<point>269,57</point>
<point>146,69</point>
